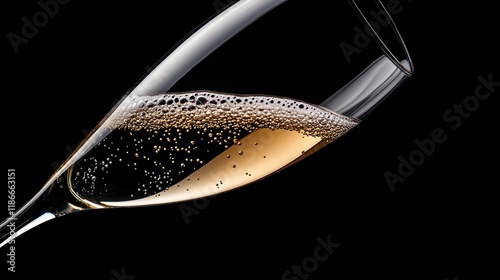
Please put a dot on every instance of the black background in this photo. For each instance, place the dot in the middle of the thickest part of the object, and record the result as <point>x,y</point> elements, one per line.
<point>437,224</point>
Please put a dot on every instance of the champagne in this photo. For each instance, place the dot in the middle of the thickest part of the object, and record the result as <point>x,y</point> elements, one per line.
<point>178,146</point>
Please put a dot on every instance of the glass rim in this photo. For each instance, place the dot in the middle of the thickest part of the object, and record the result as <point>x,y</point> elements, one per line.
<point>403,62</point>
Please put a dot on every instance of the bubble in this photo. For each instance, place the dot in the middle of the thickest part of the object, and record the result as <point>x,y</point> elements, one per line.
<point>201,101</point>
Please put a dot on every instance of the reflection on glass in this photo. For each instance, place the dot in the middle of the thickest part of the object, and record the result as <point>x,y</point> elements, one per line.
<point>159,147</point>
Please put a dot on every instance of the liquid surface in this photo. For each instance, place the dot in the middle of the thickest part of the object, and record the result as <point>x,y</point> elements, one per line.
<point>179,146</point>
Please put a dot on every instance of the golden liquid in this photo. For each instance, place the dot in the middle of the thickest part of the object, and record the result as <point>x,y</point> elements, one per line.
<point>180,146</point>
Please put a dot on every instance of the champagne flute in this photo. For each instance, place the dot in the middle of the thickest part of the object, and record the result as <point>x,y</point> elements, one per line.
<point>156,147</point>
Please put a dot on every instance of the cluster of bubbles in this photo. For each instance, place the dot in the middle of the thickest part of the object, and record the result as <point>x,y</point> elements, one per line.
<point>158,140</point>
<point>203,110</point>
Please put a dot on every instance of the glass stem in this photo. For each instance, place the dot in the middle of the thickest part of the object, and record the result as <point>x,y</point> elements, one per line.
<point>31,214</point>
<point>50,202</point>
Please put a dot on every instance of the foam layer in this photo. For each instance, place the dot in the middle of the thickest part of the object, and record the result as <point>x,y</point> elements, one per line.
<point>199,110</point>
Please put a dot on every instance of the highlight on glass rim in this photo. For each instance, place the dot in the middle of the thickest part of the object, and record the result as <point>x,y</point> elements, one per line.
<point>156,146</point>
